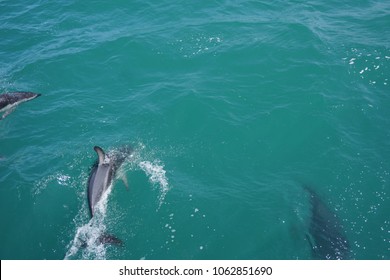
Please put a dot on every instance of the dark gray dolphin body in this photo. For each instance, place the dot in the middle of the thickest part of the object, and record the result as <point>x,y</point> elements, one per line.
<point>103,173</point>
<point>9,101</point>
<point>327,237</point>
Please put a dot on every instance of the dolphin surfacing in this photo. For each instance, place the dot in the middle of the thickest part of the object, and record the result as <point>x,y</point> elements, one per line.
<point>326,233</point>
<point>103,172</point>
<point>9,101</point>
<point>101,178</point>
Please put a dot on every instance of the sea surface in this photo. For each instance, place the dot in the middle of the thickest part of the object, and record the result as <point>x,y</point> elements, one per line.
<point>231,107</point>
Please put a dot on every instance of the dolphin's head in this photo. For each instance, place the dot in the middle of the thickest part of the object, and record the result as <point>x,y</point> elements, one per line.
<point>126,150</point>
<point>121,154</point>
<point>33,95</point>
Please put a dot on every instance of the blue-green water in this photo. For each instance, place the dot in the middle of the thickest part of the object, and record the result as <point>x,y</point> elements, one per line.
<point>231,106</point>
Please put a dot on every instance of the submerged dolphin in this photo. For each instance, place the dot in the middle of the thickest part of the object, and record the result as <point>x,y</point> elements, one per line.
<point>103,173</point>
<point>327,237</point>
<point>9,101</point>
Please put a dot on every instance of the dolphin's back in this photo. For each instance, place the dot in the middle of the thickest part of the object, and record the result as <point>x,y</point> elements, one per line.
<point>91,179</point>
<point>15,97</point>
<point>7,99</point>
<point>91,192</point>
<point>103,172</point>
<point>98,182</point>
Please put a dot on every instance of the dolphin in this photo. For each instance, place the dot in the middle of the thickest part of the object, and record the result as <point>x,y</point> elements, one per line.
<point>326,234</point>
<point>103,172</point>
<point>9,101</point>
<point>100,179</point>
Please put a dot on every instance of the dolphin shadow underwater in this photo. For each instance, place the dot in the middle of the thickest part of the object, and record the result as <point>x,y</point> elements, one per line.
<point>101,177</point>
<point>326,233</point>
<point>9,101</point>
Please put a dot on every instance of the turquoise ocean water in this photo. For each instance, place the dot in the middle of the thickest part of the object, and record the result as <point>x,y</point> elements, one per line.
<point>230,106</point>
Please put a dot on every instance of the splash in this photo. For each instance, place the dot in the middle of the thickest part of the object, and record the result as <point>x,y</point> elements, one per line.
<point>147,160</point>
<point>157,176</point>
<point>370,65</point>
<point>87,238</point>
<point>190,45</point>
<point>86,242</point>
<point>59,178</point>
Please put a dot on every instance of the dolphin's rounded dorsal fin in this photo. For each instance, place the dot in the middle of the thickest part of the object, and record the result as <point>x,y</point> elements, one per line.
<point>100,153</point>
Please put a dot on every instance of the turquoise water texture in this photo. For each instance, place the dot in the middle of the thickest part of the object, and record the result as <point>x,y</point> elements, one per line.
<point>230,107</point>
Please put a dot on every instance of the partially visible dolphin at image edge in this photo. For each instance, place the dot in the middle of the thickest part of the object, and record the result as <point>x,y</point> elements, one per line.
<point>327,237</point>
<point>9,101</point>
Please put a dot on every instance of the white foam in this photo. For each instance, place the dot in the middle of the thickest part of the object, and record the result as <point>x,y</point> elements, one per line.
<point>86,239</point>
<point>145,159</point>
<point>60,178</point>
<point>63,179</point>
<point>157,176</point>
